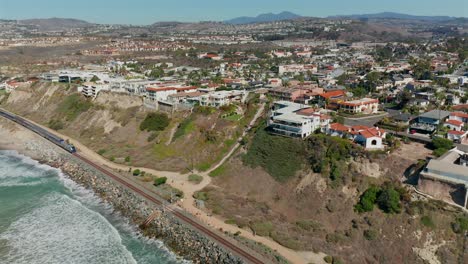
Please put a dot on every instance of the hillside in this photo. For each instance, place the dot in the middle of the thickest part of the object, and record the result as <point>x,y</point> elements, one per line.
<point>111,126</point>
<point>53,24</point>
<point>302,194</point>
<point>269,17</point>
<point>392,15</point>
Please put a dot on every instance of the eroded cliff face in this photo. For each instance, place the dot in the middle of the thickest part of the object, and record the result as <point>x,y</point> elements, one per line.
<point>110,125</point>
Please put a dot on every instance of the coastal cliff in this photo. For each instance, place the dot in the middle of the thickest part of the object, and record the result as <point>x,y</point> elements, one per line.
<point>183,240</point>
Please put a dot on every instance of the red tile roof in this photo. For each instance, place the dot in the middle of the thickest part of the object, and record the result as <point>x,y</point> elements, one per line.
<point>372,132</point>
<point>333,94</point>
<point>460,107</point>
<point>454,122</point>
<point>459,114</point>
<point>455,132</point>
<point>339,127</point>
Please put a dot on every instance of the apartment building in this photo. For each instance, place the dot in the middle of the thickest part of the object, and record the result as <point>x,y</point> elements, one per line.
<point>220,98</point>
<point>161,93</point>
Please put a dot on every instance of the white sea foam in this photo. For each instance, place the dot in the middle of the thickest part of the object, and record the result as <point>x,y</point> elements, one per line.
<point>64,231</point>
<point>77,228</point>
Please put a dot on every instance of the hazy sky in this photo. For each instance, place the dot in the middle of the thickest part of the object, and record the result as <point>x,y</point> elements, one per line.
<point>149,11</point>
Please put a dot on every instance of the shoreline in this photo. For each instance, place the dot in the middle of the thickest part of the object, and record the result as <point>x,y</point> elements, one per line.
<point>179,238</point>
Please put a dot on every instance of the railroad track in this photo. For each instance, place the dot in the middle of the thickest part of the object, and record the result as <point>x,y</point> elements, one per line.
<point>201,228</point>
<point>246,256</point>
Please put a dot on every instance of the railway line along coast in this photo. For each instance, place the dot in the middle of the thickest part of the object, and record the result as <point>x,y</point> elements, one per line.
<point>180,231</point>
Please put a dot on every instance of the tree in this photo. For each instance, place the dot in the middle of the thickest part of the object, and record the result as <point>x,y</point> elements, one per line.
<point>367,200</point>
<point>389,200</point>
<point>441,145</point>
<point>160,181</point>
<point>94,79</point>
<point>155,122</point>
<point>136,172</point>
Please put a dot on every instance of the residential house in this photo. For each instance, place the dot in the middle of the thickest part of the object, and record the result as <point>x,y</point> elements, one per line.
<point>428,122</point>
<point>364,105</point>
<point>458,136</point>
<point>402,79</point>
<point>295,120</point>
<point>459,116</point>
<point>369,137</point>
<point>446,178</point>
<point>454,124</point>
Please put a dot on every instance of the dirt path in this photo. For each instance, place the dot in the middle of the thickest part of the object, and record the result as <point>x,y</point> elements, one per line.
<point>171,135</point>
<point>180,181</point>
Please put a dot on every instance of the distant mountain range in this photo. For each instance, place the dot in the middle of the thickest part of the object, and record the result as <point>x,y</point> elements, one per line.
<point>269,17</point>
<point>51,24</point>
<point>392,15</point>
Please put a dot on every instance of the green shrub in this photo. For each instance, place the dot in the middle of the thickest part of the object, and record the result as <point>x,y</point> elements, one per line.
<point>195,178</point>
<point>387,197</point>
<point>218,171</point>
<point>155,122</point>
<point>427,221</point>
<point>308,225</point>
<point>370,234</point>
<point>127,159</point>
<point>441,145</point>
<point>73,105</point>
<point>160,181</point>
<point>285,240</point>
<point>101,152</point>
<point>281,157</point>
<point>56,124</point>
<point>184,128</point>
<point>203,196</point>
<point>367,200</point>
<point>389,200</point>
<point>460,225</point>
<point>230,222</point>
<point>262,228</point>
<point>136,172</point>
<point>328,259</point>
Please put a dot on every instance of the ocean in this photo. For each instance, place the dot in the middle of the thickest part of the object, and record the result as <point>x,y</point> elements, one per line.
<point>47,218</point>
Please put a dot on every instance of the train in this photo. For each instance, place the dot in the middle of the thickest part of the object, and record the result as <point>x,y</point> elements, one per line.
<point>64,144</point>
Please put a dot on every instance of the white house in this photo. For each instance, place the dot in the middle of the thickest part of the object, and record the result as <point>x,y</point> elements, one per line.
<point>454,124</point>
<point>459,116</point>
<point>458,136</point>
<point>368,137</point>
<point>296,120</point>
<point>220,98</point>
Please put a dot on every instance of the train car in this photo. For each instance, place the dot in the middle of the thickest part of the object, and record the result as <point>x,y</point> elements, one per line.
<point>40,131</point>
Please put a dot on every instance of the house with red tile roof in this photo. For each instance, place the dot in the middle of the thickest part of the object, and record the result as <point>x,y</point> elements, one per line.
<point>364,105</point>
<point>454,124</point>
<point>368,137</point>
<point>459,116</point>
<point>458,136</point>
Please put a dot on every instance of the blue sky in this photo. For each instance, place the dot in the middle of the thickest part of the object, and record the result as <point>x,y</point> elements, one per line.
<point>149,11</point>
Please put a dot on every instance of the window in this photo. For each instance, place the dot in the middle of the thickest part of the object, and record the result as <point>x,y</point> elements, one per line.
<point>374,142</point>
